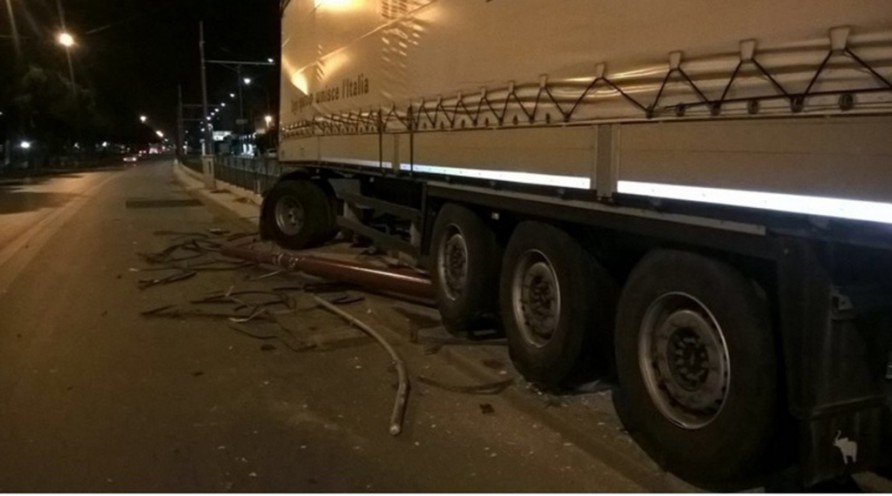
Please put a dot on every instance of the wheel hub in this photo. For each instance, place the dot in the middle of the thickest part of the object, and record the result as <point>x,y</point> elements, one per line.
<point>289,215</point>
<point>452,263</point>
<point>684,360</point>
<point>536,298</point>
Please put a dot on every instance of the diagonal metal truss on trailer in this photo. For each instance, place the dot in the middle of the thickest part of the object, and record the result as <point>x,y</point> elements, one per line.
<point>843,81</point>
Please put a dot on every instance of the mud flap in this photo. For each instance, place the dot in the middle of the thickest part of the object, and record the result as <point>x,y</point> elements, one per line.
<point>834,445</point>
<point>836,342</point>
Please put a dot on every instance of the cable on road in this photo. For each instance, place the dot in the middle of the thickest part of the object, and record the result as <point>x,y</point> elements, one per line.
<point>402,392</point>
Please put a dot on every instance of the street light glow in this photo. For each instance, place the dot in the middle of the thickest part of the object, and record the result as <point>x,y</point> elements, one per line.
<point>25,145</point>
<point>232,95</point>
<point>268,119</point>
<point>223,104</point>
<point>248,81</point>
<point>160,134</point>
<point>65,39</point>
<point>143,119</point>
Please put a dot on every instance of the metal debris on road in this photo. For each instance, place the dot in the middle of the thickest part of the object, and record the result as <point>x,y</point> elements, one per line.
<point>299,347</point>
<point>264,276</point>
<point>176,312</point>
<point>177,277</point>
<point>475,389</point>
<point>402,393</point>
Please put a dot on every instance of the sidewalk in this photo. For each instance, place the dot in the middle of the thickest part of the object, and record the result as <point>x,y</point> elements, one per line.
<point>243,203</point>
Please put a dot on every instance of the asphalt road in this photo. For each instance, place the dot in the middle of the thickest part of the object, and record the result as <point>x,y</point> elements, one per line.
<point>96,397</point>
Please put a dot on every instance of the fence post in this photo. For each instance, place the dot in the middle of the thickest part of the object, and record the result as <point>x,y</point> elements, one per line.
<point>208,167</point>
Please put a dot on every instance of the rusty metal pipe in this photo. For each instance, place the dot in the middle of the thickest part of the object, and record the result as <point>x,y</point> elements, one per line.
<point>405,283</point>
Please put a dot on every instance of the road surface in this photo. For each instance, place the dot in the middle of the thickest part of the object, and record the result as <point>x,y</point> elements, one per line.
<point>98,398</point>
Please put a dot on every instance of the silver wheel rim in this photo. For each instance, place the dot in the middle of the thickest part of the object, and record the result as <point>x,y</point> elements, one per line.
<point>536,298</point>
<point>452,262</point>
<point>289,215</point>
<point>684,360</point>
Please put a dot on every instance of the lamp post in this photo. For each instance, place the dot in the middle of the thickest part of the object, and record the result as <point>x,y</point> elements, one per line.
<point>67,41</point>
<point>241,80</point>
<point>208,148</point>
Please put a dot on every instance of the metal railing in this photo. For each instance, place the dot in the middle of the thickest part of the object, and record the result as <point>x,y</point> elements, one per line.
<point>255,174</point>
<point>193,162</point>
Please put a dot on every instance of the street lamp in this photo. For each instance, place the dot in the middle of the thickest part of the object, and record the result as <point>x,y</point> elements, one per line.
<point>65,39</point>
<point>143,119</point>
<point>25,145</point>
<point>160,134</point>
<point>247,81</point>
<point>269,120</point>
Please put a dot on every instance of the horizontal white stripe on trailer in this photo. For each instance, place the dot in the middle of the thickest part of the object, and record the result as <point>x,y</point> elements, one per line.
<point>355,161</point>
<point>779,202</point>
<point>574,182</point>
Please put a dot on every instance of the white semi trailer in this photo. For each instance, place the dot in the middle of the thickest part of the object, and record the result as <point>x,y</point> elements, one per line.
<point>691,196</point>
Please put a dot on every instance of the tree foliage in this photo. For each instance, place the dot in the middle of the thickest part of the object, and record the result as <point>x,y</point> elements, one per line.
<point>53,110</point>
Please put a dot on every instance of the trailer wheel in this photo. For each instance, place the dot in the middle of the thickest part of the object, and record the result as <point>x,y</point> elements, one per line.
<point>297,215</point>
<point>557,306</point>
<point>467,257</point>
<point>696,365</point>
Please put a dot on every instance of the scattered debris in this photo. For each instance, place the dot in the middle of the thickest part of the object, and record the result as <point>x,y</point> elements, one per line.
<point>476,389</point>
<point>264,276</point>
<point>345,298</point>
<point>176,312</point>
<point>297,347</point>
<point>402,394</point>
<point>180,275</point>
<point>492,363</point>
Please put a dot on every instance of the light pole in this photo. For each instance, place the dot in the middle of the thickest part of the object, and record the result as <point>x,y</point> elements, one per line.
<point>208,133</point>
<point>68,42</point>
<point>241,80</point>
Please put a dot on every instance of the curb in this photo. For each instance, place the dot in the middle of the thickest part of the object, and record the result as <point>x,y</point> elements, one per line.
<point>243,203</point>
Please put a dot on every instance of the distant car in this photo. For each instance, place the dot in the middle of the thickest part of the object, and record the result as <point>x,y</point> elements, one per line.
<point>131,158</point>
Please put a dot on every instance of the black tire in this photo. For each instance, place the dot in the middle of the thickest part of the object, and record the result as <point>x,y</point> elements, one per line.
<point>468,302</point>
<point>722,437</point>
<point>318,215</point>
<point>577,342</point>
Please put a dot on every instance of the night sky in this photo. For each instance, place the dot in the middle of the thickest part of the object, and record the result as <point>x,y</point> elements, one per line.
<point>134,53</point>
